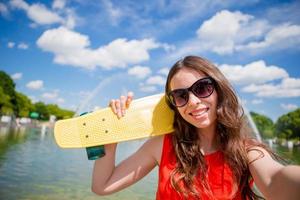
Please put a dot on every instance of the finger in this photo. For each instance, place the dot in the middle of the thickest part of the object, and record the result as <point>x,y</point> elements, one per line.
<point>123,104</point>
<point>118,108</point>
<point>112,104</point>
<point>129,99</point>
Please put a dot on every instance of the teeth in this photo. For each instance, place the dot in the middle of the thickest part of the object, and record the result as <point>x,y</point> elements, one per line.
<point>199,113</point>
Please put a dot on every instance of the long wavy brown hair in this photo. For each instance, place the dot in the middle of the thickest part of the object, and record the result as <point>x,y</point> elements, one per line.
<point>232,135</point>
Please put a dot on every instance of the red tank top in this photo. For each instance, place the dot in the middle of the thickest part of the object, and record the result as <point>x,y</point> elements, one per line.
<point>219,176</point>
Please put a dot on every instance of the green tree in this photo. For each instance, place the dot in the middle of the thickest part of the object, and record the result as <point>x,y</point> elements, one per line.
<point>8,89</point>
<point>288,125</point>
<point>66,114</point>
<point>264,125</point>
<point>13,102</point>
<point>58,112</point>
<point>42,110</point>
<point>24,105</point>
<point>6,107</point>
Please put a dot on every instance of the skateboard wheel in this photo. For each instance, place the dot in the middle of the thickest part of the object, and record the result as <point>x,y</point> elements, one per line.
<point>95,152</point>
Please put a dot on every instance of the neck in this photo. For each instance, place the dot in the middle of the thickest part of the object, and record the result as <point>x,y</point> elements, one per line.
<point>208,142</point>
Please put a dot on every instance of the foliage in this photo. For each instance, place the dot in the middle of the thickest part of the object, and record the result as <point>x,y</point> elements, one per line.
<point>288,125</point>
<point>7,86</point>
<point>18,104</point>
<point>264,125</point>
<point>41,108</point>
<point>58,112</point>
<point>6,107</point>
<point>24,105</point>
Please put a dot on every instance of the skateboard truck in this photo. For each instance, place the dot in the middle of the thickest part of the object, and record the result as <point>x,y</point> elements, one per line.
<point>95,152</point>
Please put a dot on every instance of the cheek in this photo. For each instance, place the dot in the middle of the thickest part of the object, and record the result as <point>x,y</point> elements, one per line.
<point>214,105</point>
<point>183,114</point>
<point>181,111</point>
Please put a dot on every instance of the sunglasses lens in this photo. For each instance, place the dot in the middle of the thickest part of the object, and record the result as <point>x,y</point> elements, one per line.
<point>179,97</point>
<point>203,88</point>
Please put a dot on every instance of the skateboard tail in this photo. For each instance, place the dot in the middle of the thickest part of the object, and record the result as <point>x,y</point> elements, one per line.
<point>68,139</point>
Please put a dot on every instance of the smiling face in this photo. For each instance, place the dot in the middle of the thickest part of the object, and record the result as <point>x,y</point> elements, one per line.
<point>200,112</point>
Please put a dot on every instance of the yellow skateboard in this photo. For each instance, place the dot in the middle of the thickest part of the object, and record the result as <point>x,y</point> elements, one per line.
<point>146,117</point>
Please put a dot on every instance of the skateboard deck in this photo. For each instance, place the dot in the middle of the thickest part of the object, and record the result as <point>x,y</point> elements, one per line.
<point>146,117</point>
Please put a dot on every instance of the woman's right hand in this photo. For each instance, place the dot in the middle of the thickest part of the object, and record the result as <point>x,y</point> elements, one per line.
<point>120,105</point>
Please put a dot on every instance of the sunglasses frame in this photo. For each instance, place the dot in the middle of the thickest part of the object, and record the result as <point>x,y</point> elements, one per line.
<point>190,89</point>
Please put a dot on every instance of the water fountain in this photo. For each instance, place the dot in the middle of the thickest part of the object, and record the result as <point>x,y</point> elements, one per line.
<point>84,105</point>
<point>252,124</point>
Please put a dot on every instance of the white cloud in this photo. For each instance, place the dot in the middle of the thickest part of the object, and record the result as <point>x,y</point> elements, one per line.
<point>156,80</point>
<point>35,85</point>
<point>71,19</point>
<point>288,107</point>
<point>48,95</point>
<point>147,88</point>
<point>291,83</point>
<point>114,13</point>
<point>3,10</point>
<point>280,37</point>
<point>172,15</point>
<point>255,72</point>
<point>164,71</point>
<point>257,101</point>
<point>58,4</point>
<point>10,45</point>
<point>20,4</point>
<point>244,102</point>
<point>62,41</point>
<point>139,71</point>
<point>72,48</point>
<point>41,15</point>
<point>23,45</point>
<point>37,12</point>
<point>221,31</point>
<point>60,100</point>
<point>289,87</point>
<point>167,47</point>
<point>228,32</point>
<point>16,76</point>
<point>53,97</point>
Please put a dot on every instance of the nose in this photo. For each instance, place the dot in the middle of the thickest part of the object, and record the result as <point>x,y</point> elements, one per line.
<point>193,100</point>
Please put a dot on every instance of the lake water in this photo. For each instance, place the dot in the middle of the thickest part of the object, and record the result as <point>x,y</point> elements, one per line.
<point>32,166</point>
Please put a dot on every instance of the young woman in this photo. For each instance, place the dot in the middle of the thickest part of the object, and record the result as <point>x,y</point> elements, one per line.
<point>210,154</point>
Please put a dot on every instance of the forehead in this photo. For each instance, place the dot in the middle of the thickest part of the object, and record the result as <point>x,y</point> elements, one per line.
<point>185,77</point>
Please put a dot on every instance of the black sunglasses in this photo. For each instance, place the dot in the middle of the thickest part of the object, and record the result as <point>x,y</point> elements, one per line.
<point>202,88</point>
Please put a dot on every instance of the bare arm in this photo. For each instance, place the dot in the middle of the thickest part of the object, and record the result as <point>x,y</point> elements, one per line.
<point>274,180</point>
<point>108,178</point>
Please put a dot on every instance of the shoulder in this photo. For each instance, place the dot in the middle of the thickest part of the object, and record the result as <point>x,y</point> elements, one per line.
<point>257,150</point>
<point>261,161</point>
<point>157,140</point>
<point>154,147</point>
<point>255,153</point>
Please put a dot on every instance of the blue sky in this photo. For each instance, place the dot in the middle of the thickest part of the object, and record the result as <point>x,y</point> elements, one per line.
<point>79,54</point>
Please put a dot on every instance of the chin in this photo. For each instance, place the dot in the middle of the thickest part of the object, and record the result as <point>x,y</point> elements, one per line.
<point>204,124</point>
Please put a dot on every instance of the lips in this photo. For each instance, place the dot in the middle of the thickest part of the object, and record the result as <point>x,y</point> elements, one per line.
<point>199,112</point>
